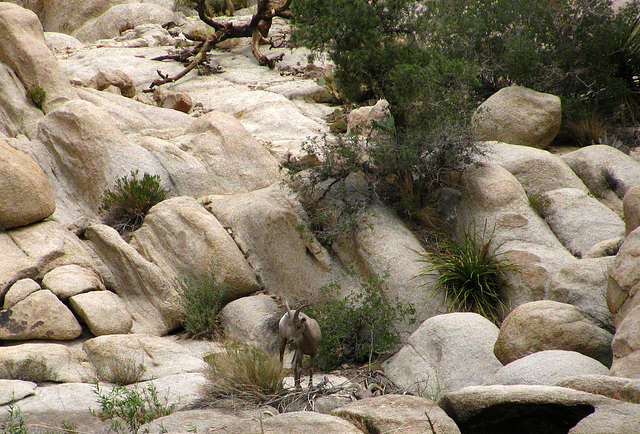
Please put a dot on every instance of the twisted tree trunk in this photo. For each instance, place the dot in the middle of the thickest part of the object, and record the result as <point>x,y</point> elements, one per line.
<point>257,29</point>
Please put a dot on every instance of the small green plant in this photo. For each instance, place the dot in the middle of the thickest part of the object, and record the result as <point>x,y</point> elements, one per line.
<point>202,298</point>
<point>36,95</point>
<point>132,405</point>
<point>30,369</point>
<point>243,373</point>
<point>470,273</point>
<point>14,422</point>
<point>130,200</point>
<point>358,328</point>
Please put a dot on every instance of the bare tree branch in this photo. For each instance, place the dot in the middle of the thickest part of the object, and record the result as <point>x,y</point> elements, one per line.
<point>257,29</point>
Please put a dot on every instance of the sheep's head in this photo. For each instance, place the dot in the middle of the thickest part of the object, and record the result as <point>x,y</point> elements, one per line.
<point>298,321</point>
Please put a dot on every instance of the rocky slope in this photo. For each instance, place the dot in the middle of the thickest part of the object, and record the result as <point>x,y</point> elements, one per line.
<point>79,299</point>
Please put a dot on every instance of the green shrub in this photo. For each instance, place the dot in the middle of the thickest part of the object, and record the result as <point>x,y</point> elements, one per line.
<point>243,373</point>
<point>36,95</point>
<point>201,298</point>
<point>132,405</point>
<point>470,273</point>
<point>130,200</point>
<point>359,328</point>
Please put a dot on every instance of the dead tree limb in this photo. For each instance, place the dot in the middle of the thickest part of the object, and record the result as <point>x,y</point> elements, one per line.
<point>257,29</point>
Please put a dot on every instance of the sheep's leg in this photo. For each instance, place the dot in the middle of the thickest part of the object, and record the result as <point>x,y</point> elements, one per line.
<point>297,368</point>
<point>312,365</point>
<point>283,345</point>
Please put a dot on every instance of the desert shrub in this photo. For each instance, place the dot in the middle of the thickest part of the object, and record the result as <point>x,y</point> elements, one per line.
<point>132,405</point>
<point>36,95</point>
<point>123,370</point>
<point>201,297</point>
<point>243,373</point>
<point>126,205</point>
<point>358,328</point>
<point>469,271</point>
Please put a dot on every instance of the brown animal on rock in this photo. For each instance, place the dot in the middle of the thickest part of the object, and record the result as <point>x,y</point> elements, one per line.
<point>302,333</point>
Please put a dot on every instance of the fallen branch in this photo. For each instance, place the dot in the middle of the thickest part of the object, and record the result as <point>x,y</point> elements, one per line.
<point>257,29</point>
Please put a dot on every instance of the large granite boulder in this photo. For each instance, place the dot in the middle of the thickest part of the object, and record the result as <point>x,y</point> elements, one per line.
<point>447,352</point>
<point>519,116</point>
<point>210,251</point>
<point>253,321</point>
<point>549,325</point>
<point>26,194</point>
<point>24,50</point>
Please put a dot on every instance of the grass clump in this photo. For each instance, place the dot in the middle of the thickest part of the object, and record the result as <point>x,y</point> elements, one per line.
<point>36,95</point>
<point>358,328</point>
<point>470,273</point>
<point>13,422</point>
<point>126,205</point>
<point>243,375</point>
<point>123,371</point>
<point>132,406</point>
<point>202,298</point>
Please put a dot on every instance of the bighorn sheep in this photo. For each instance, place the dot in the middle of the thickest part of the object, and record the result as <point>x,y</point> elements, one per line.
<point>303,334</point>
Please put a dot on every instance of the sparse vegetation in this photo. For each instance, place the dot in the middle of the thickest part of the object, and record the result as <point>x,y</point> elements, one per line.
<point>202,298</point>
<point>124,371</point>
<point>470,272</point>
<point>243,375</point>
<point>126,205</point>
<point>135,406</point>
<point>36,95</point>
<point>359,328</point>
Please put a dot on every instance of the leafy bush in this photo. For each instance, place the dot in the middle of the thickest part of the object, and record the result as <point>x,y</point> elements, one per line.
<point>36,95</point>
<point>132,405</point>
<point>201,298</point>
<point>130,200</point>
<point>470,273</point>
<point>14,422</point>
<point>359,328</point>
<point>245,373</point>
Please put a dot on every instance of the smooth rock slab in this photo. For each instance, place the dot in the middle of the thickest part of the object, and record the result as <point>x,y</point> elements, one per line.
<point>397,413</point>
<point>103,312</point>
<point>518,409</point>
<point>39,316</point>
<point>39,362</point>
<point>622,389</point>
<point>547,368</point>
<point>161,357</point>
<point>15,390</point>
<point>19,291</point>
<point>615,418</point>
<point>579,220</point>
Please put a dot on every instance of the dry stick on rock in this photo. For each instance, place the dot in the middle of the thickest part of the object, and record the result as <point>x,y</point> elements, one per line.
<point>257,29</point>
